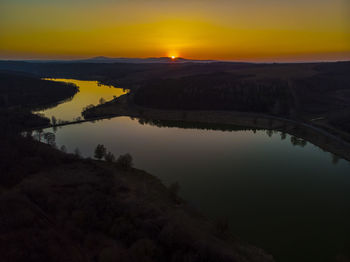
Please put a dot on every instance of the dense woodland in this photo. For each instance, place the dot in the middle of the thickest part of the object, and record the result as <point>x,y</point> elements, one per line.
<point>22,90</point>
<point>221,91</point>
<point>319,93</point>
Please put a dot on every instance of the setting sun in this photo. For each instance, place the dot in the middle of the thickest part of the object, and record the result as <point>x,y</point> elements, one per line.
<point>202,106</point>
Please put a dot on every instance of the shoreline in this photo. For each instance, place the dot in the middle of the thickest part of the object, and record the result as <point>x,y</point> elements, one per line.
<point>313,134</point>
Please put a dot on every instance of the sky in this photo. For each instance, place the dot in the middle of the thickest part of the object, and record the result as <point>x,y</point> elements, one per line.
<point>238,30</point>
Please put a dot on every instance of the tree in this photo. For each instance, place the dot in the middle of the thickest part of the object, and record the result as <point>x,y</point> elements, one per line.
<point>53,120</point>
<point>174,189</point>
<point>298,141</point>
<point>223,228</point>
<point>50,138</point>
<point>125,161</point>
<point>39,134</point>
<point>109,157</point>
<point>269,132</point>
<point>102,101</point>
<point>335,159</point>
<point>63,149</point>
<point>100,151</point>
<point>283,135</point>
<point>77,153</point>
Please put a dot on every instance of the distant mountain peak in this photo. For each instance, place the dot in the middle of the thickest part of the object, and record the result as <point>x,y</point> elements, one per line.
<point>99,57</point>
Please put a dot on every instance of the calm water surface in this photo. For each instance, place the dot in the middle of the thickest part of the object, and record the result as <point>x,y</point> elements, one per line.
<point>293,201</point>
<point>90,93</point>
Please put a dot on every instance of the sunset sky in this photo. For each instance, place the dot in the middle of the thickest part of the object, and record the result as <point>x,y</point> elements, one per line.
<point>241,30</point>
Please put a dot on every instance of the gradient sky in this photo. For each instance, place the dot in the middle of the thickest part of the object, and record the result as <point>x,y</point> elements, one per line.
<point>248,30</point>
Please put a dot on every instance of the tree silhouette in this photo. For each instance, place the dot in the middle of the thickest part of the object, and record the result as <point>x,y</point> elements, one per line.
<point>102,101</point>
<point>50,138</point>
<point>283,135</point>
<point>109,157</point>
<point>77,153</point>
<point>174,189</point>
<point>53,120</point>
<point>269,132</point>
<point>100,151</point>
<point>39,134</point>
<point>335,159</point>
<point>296,141</point>
<point>125,161</point>
<point>64,149</point>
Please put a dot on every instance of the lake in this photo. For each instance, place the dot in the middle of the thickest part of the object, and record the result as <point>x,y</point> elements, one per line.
<point>293,201</point>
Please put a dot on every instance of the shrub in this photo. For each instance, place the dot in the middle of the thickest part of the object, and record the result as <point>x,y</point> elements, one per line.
<point>143,250</point>
<point>114,253</point>
<point>223,228</point>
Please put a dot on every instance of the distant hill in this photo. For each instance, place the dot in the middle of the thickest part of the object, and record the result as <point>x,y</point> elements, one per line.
<point>109,60</point>
<point>102,59</point>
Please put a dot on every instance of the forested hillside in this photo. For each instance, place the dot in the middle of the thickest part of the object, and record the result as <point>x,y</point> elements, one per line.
<point>25,90</point>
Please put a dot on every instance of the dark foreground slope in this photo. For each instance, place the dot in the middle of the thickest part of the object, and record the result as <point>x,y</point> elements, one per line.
<point>62,208</point>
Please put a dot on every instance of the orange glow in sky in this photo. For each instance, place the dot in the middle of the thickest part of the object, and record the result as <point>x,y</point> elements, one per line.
<point>254,30</point>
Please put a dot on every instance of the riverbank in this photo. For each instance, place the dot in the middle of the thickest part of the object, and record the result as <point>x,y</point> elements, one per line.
<point>327,140</point>
<point>59,207</point>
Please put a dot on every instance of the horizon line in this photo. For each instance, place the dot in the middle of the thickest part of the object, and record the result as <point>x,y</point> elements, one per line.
<point>268,61</point>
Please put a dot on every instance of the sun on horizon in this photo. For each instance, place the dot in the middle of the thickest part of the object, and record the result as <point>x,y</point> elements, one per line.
<point>255,31</point>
